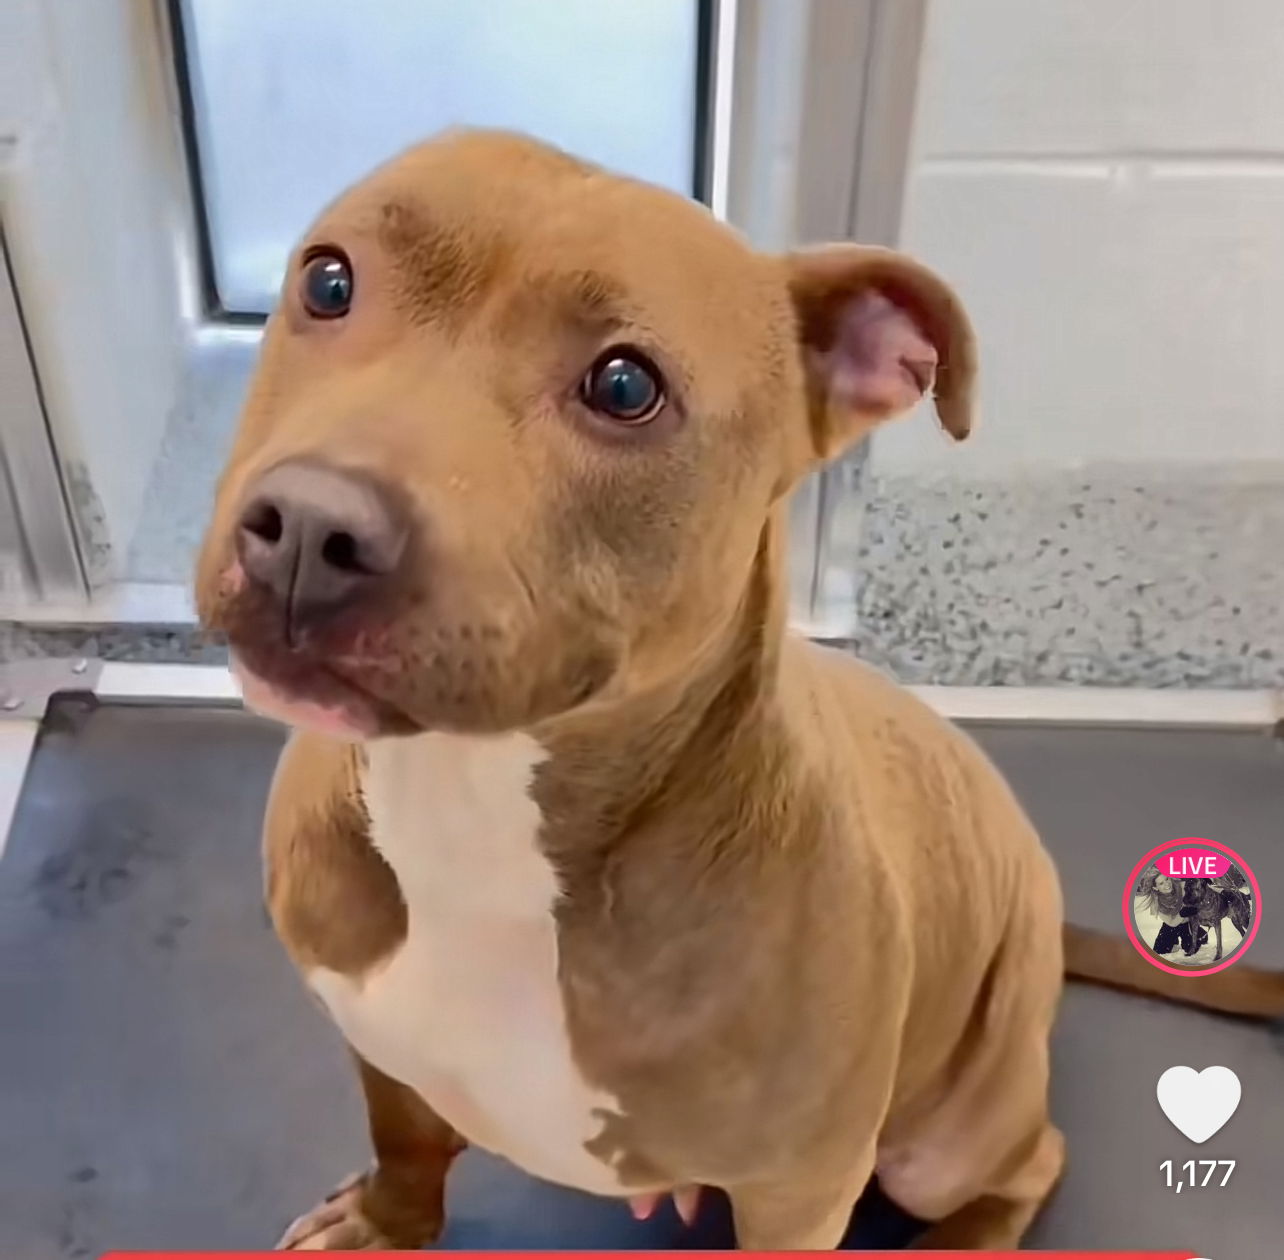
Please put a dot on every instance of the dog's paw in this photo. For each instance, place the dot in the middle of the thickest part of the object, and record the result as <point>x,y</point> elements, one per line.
<point>342,1223</point>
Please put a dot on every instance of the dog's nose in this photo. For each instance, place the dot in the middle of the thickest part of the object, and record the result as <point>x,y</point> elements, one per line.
<point>318,539</point>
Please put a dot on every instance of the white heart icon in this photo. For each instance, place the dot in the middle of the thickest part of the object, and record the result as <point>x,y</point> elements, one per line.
<point>1198,1103</point>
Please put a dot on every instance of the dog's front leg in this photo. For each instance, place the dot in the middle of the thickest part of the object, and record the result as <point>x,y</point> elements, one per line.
<point>399,1202</point>
<point>803,1214</point>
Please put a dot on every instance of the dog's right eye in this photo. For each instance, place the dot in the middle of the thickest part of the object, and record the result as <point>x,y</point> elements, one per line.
<point>326,284</point>
<point>624,386</point>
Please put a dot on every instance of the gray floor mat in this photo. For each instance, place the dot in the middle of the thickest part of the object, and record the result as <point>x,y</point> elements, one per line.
<point>165,1082</point>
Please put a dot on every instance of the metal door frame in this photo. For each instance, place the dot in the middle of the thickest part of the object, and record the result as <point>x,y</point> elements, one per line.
<point>39,554</point>
<point>825,95</point>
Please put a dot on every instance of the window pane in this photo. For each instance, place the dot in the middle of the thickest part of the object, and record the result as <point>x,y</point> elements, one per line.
<point>294,99</point>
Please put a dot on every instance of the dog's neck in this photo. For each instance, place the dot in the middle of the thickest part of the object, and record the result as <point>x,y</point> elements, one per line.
<point>612,763</point>
<point>602,775</point>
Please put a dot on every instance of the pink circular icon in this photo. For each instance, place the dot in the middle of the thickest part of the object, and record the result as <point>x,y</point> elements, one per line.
<point>1191,907</point>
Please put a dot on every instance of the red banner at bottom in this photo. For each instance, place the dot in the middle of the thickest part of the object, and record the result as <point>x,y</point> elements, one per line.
<point>692,1255</point>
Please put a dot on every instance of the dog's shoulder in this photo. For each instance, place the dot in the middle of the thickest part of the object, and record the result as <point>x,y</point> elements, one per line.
<point>849,708</point>
<point>334,900</point>
<point>913,780</point>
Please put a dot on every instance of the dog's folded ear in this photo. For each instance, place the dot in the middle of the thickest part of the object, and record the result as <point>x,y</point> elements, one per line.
<point>879,331</point>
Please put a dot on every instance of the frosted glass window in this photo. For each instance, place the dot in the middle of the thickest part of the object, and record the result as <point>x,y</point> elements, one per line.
<point>293,99</point>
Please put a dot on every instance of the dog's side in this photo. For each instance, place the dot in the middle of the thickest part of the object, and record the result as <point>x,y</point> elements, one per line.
<point>1208,903</point>
<point>572,836</point>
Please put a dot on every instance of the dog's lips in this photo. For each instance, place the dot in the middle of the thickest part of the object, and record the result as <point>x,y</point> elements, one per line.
<point>315,686</point>
<point>313,699</point>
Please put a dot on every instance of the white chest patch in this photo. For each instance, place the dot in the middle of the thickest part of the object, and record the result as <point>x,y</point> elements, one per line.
<point>468,1012</point>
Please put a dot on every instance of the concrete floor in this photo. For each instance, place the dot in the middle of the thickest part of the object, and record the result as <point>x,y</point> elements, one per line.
<point>165,1082</point>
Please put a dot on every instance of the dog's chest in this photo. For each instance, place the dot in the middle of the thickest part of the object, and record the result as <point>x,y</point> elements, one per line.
<point>469,1011</point>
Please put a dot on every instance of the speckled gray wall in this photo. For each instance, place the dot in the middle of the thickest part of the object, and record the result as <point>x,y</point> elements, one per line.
<point>181,645</point>
<point>1115,577</point>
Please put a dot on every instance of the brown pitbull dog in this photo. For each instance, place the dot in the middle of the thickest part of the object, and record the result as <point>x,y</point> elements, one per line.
<point>570,834</point>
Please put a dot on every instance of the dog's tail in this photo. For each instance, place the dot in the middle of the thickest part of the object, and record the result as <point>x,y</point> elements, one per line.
<point>1110,961</point>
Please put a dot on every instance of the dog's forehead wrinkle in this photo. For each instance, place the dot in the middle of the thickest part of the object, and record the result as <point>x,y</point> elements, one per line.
<point>587,293</point>
<point>439,267</point>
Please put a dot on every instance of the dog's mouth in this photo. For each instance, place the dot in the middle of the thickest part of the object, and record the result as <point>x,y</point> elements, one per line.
<point>312,689</point>
<point>312,697</point>
<point>332,683</point>
<point>321,704</point>
<point>398,670</point>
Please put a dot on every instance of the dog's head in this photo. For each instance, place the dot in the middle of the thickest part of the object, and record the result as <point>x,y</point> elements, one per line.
<point>517,431</point>
<point>1194,890</point>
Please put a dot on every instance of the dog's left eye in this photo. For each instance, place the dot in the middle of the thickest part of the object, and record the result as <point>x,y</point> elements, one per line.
<point>623,385</point>
<point>326,284</point>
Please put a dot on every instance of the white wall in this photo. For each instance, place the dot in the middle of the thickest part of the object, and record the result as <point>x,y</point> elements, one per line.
<point>1104,184</point>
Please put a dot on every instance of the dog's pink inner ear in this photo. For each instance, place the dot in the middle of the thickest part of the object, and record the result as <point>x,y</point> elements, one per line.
<point>878,332</point>
<point>880,362</point>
